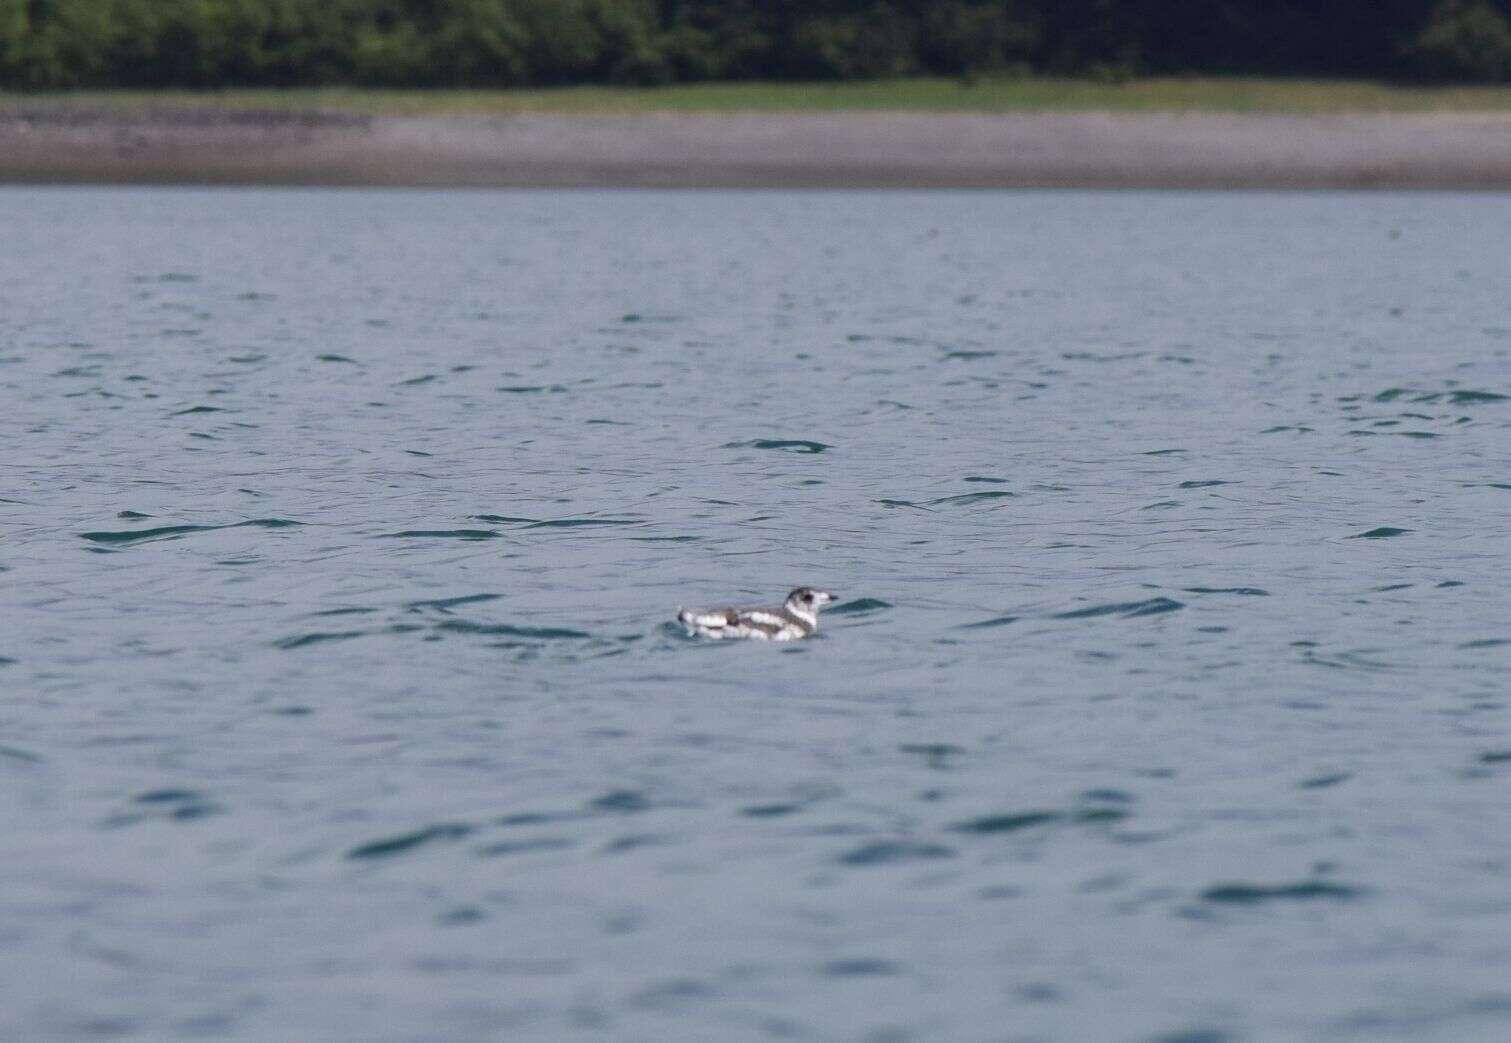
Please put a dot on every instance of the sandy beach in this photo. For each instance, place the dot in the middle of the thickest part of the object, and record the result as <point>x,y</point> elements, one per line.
<point>44,144</point>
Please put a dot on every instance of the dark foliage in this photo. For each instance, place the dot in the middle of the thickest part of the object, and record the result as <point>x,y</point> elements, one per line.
<point>204,43</point>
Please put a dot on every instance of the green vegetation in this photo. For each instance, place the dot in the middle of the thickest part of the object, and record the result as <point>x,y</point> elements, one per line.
<point>923,95</point>
<point>64,44</point>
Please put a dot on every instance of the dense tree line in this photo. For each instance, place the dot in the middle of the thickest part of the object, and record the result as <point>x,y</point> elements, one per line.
<point>204,43</point>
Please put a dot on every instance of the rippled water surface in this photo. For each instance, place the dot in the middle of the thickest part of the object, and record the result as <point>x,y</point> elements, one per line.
<point>1166,699</point>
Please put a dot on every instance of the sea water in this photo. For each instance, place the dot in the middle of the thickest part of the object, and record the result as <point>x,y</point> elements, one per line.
<point>1166,698</point>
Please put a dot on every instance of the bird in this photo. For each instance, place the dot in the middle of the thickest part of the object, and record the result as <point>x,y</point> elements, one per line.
<point>797,618</point>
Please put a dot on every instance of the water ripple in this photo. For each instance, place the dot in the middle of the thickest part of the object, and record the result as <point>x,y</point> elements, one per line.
<point>1126,609</point>
<point>165,532</point>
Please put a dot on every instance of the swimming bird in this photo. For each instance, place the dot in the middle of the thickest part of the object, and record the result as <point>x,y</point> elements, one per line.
<point>797,618</point>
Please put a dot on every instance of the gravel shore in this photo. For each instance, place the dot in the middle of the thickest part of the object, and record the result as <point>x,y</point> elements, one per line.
<point>871,150</point>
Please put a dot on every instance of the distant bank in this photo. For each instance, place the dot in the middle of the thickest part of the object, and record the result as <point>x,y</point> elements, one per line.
<point>1152,134</point>
<point>760,150</point>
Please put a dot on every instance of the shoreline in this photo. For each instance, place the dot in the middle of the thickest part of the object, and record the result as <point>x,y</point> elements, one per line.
<point>49,144</point>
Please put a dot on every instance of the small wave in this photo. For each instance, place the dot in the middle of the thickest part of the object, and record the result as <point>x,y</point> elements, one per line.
<point>142,535</point>
<point>1007,823</point>
<point>580,523</point>
<point>316,638</point>
<point>1345,661</point>
<point>1201,1035</point>
<point>987,624</point>
<point>465,626</point>
<point>1382,533</point>
<point>1325,781</point>
<point>966,499</point>
<point>884,852</point>
<point>398,845</point>
<point>1011,822</point>
<point>1254,894</point>
<point>1250,592</point>
<point>175,805</point>
<point>1126,609</point>
<point>935,754</point>
<point>502,848</point>
<point>556,523</point>
<point>446,604</point>
<point>166,796</point>
<point>1464,397</point>
<point>858,607</point>
<point>633,842</point>
<point>165,532</point>
<point>443,534</point>
<point>858,966</point>
<point>771,810</point>
<point>788,445</point>
<point>535,818</point>
<point>621,802</point>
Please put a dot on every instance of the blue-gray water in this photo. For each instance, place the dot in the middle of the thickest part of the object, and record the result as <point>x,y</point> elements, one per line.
<point>1167,699</point>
